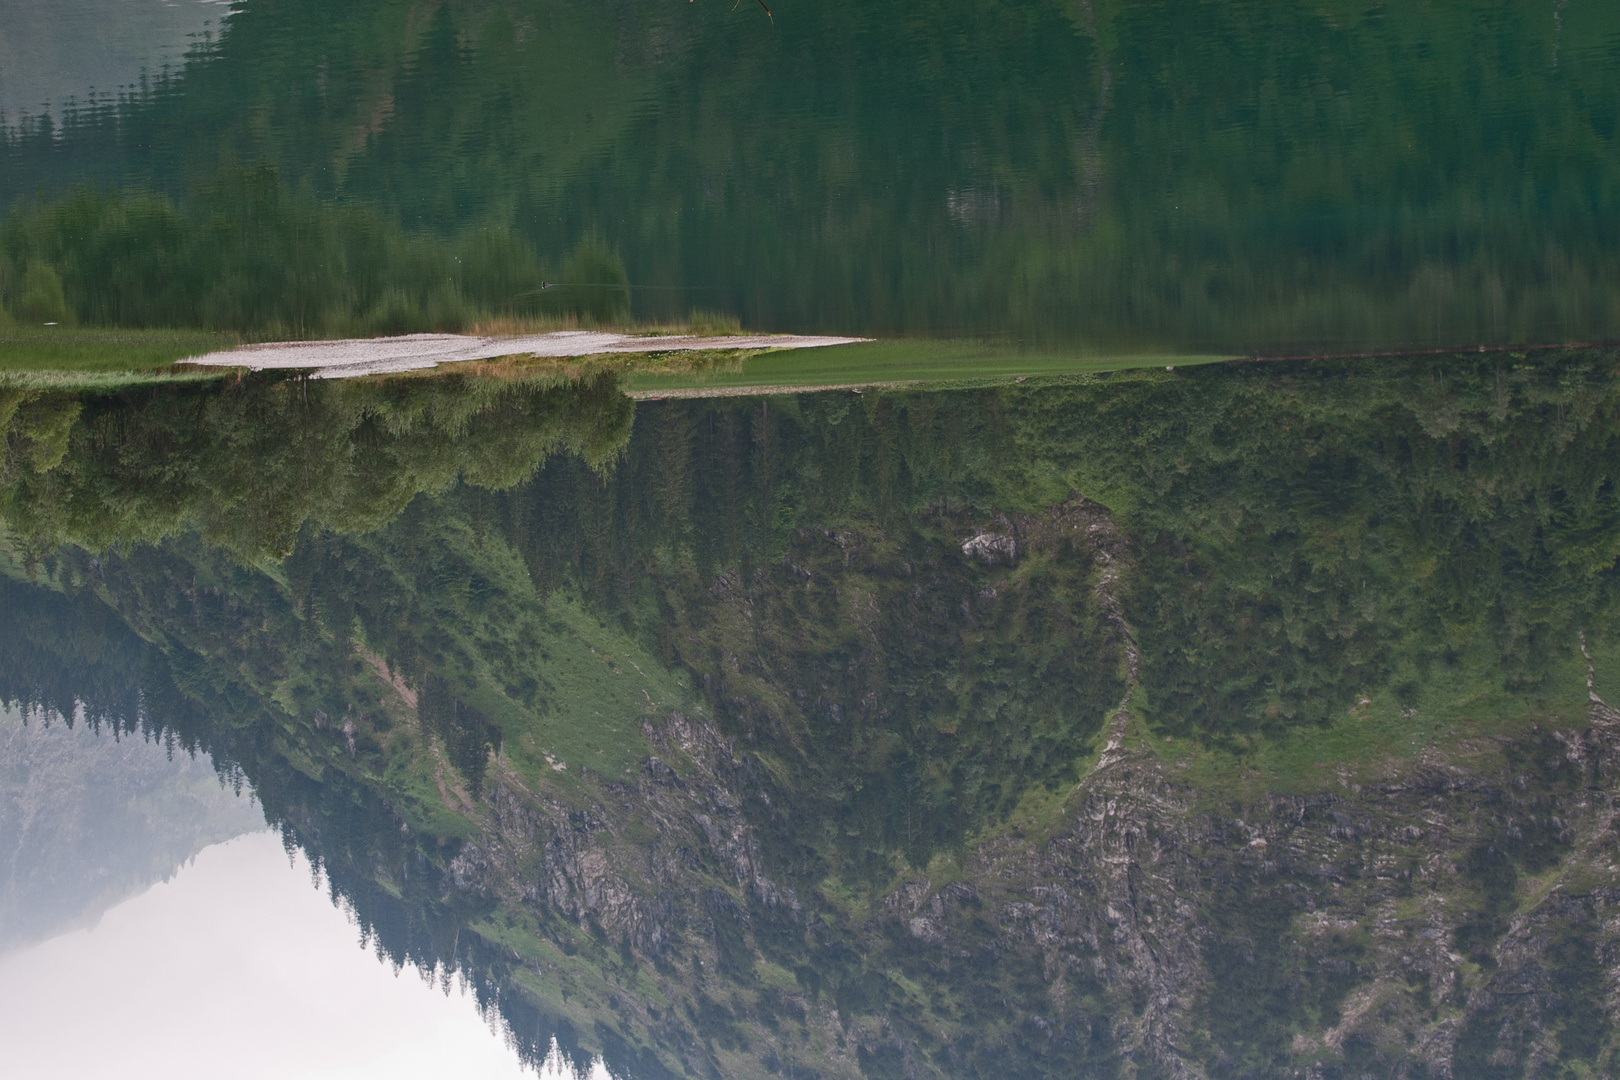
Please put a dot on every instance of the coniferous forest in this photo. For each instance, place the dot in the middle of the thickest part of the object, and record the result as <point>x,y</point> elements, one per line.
<point>808,678</point>
<point>1180,648</point>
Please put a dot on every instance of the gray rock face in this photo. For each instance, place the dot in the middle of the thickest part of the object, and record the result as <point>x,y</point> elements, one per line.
<point>990,548</point>
<point>1300,935</point>
<point>1395,924</point>
<point>1457,914</point>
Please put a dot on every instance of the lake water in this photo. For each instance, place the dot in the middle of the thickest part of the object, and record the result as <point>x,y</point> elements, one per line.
<point>1054,702</point>
<point>1264,176</point>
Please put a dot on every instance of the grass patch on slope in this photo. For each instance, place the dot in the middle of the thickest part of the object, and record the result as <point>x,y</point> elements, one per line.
<point>1454,711</point>
<point>603,683</point>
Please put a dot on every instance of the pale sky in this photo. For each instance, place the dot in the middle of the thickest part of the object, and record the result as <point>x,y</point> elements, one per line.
<point>236,967</point>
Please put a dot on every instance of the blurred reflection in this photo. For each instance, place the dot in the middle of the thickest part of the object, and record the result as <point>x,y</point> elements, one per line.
<point>56,52</point>
<point>1266,176</point>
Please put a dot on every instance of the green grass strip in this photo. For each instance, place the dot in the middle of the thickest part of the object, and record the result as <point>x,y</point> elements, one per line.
<point>68,356</point>
<point>897,361</point>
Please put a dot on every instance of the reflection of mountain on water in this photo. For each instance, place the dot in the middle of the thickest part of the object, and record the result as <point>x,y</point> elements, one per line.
<point>1256,176</point>
<point>88,819</point>
<point>1228,722</point>
<point>56,51</point>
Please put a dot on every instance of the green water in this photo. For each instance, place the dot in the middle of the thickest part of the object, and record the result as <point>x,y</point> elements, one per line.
<point>1267,177</point>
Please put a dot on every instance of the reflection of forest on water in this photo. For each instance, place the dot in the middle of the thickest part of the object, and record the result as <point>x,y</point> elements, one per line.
<point>1260,176</point>
<point>1129,724</point>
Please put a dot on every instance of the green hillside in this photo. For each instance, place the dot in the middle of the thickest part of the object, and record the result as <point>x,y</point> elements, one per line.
<point>791,731</point>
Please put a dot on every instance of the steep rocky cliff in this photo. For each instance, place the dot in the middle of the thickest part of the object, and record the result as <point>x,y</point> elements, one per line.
<point>1445,913</point>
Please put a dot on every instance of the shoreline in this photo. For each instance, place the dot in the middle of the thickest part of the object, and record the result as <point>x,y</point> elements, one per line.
<point>356,357</point>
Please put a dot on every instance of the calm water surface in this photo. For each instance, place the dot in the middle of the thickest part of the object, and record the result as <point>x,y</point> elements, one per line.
<point>1111,174</point>
<point>1243,720</point>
